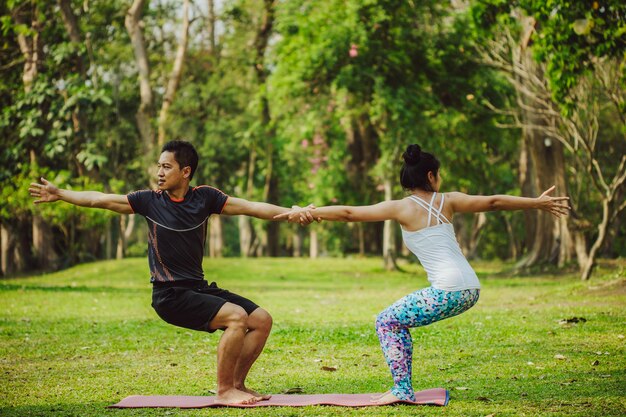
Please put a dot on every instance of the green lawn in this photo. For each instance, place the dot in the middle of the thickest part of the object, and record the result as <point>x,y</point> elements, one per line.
<point>76,341</point>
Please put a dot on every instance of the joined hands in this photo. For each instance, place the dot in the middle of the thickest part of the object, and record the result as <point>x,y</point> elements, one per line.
<point>300,215</point>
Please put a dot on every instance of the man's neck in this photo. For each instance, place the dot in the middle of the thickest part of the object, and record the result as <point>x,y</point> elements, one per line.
<point>178,194</point>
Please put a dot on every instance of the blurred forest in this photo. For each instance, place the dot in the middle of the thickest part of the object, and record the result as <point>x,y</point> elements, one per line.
<point>313,101</point>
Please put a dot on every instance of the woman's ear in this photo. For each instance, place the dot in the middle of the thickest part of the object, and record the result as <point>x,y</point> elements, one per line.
<point>432,178</point>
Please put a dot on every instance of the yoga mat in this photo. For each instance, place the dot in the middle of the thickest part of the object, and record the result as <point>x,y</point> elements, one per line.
<point>434,396</point>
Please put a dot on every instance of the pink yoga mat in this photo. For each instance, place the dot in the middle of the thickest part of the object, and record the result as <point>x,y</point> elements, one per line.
<point>434,396</point>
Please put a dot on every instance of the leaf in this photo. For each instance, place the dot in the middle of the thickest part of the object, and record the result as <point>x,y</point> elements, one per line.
<point>559,357</point>
<point>328,368</point>
<point>595,363</point>
<point>572,320</point>
<point>461,388</point>
<point>485,399</point>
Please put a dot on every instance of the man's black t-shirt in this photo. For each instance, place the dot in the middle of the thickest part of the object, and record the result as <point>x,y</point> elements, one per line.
<point>177,230</point>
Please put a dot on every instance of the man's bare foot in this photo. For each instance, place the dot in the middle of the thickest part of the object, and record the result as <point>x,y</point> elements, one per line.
<point>387,398</point>
<point>235,396</point>
<point>376,397</point>
<point>262,397</point>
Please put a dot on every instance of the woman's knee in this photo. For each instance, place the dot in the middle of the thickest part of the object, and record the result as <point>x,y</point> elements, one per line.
<point>386,320</point>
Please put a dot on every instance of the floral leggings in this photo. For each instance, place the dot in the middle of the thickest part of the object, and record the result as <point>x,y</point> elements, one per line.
<point>414,310</point>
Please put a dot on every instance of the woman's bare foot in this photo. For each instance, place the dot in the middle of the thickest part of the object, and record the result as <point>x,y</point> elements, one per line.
<point>262,397</point>
<point>235,396</point>
<point>376,397</point>
<point>386,398</point>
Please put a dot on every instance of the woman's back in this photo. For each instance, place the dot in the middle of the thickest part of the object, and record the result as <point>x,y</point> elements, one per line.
<point>437,249</point>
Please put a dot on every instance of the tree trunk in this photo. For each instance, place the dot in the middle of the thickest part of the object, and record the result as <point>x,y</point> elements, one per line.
<point>108,243</point>
<point>175,76</point>
<point>6,247</point>
<point>547,240</point>
<point>144,113</point>
<point>362,143</point>
<point>514,246</point>
<point>270,194</point>
<point>479,222</point>
<point>211,18</point>
<point>389,254</point>
<point>216,237</point>
<point>297,242</point>
<point>314,244</point>
<point>43,245</point>
<point>361,233</point>
<point>126,227</point>
<point>247,236</point>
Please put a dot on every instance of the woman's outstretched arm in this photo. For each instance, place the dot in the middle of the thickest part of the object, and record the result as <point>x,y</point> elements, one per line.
<point>386,210</point>
<point>464,203</point>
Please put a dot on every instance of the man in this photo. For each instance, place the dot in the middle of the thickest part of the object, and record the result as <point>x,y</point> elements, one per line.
<point>177,217</point>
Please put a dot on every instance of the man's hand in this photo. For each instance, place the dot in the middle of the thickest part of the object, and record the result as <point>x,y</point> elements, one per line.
<point>46,192</point>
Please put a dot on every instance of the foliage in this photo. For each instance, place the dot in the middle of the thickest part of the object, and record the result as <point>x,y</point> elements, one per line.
<point>350,84</point>
<point>574,37</point>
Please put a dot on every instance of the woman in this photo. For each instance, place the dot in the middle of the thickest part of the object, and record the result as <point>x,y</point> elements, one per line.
<point>425,217</point>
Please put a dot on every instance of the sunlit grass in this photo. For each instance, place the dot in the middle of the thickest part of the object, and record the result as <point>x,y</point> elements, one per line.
<point>76,341</point>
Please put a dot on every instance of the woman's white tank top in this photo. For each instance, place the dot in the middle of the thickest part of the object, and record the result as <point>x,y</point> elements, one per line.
<point>439,252</point>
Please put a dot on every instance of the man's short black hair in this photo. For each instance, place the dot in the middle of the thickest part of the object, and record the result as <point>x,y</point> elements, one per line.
<point>184,153</point>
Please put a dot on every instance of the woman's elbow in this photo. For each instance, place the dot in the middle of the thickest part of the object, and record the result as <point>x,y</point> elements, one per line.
<point>348,215</point>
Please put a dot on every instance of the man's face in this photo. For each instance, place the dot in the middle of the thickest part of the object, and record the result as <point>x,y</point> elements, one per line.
<point>169,174</point>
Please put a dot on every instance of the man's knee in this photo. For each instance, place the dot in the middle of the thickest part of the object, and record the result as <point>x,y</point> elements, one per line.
<point>260,319</point>
<point>230,316</point>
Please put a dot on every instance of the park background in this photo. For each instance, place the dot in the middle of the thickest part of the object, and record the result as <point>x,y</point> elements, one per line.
<point>298,102</point>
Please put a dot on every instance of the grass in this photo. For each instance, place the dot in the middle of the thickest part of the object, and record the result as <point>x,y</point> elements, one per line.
<point>76,341</point>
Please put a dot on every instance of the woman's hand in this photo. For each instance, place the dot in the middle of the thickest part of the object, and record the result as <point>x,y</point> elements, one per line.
<point>556,205</point>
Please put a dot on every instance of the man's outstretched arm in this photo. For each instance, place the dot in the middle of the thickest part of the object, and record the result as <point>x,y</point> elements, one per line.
<point>46,192</point>
<point>266,211</point>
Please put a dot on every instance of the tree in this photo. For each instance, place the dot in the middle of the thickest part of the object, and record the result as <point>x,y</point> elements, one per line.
<point>581,66</point>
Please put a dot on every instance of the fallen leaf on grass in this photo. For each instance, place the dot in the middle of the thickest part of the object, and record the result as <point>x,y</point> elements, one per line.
<point>461,388</point>
<point>329,368</point>
<point>595,363</point>
<point>485,399</point>
<point>620,336</point>
<point>559,357</point>
<point>491,415</point>
<point>573,320</point>
<point>294,390</point>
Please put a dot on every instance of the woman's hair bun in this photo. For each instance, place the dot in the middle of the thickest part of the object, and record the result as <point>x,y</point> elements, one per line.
<point>412,155</point>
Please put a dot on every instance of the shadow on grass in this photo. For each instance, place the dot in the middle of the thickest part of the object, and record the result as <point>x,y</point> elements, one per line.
<point>73,410</point>
<point>69,288</point>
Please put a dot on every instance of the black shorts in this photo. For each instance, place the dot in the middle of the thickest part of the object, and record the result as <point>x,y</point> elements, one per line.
<point>193,304</point>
